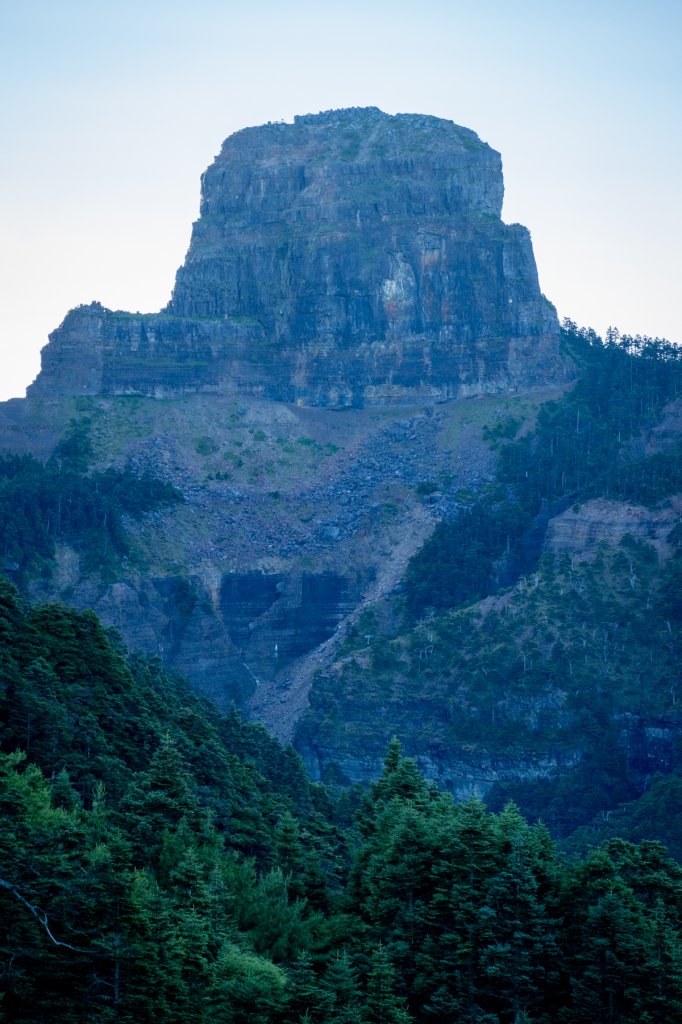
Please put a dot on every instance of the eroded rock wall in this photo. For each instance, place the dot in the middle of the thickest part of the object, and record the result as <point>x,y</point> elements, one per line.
<point>349,258</point>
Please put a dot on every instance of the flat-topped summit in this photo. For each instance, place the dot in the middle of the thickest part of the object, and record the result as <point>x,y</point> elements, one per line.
<point>351,257</point>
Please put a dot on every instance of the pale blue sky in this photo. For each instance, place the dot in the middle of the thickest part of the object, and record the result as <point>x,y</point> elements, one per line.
<point>109,112</point>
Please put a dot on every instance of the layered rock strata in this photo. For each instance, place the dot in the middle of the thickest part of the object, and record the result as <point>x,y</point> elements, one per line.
<point>349,258</point>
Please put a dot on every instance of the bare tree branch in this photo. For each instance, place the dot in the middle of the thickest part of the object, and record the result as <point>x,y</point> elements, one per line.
<point>41,918</point>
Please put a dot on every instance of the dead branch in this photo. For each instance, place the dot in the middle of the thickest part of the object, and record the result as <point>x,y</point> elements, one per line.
<point>41,918</point>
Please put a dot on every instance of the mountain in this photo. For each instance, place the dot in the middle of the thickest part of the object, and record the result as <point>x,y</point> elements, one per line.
<point>349,258</point>
<point>534,650</point>
<point>319,482</point>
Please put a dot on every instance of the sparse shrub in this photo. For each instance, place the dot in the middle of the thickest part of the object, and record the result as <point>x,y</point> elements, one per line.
<point>206,446</point>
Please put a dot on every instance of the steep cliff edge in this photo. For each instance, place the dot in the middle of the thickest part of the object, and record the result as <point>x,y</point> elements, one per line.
<point>349,258</point>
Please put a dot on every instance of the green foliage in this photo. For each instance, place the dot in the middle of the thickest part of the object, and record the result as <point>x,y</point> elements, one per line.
<point>251,989</point>
<point>671,589</point>
<point>206,445</point>
<point>41,504</point>
<point>162,862</point>
<point>172,880</point>
<point>137,854</point>
<point>572,680</point>
<point>426,487</point>
<point>657,812</point>
<point>455,565</point>
<point>583,446</point>
<point>504,430</point>
<point>476,917</point>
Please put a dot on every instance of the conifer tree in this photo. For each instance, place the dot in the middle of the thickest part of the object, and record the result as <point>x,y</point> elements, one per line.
<point>341,982</point>
<point>382,1005</point>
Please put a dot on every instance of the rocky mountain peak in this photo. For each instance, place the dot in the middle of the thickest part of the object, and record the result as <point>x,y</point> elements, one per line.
<point>350,258</point>
<point>359,173</point>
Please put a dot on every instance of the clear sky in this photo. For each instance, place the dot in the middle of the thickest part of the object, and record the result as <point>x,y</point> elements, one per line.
<point>110,111</point>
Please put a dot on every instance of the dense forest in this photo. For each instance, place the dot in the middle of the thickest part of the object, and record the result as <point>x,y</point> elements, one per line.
<point>587,444</point>
<point>572,677</point>
<point>161,862</point>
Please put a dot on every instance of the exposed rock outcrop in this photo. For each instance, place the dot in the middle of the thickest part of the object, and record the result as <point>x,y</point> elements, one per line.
<point>509,689</point>
<point>349,258</point>
<point>222,633</point>
<point>581,530</point>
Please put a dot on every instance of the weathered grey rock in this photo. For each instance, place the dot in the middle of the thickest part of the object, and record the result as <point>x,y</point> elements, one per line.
<point>463,775</point>
<point>579,531</point>
<point>222,633</point>
<point>349,258</point>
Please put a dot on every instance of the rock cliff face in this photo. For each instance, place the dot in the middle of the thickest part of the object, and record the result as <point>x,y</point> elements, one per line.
<point>349,258</point>
<point>580,531</point>
<point>224,633</point>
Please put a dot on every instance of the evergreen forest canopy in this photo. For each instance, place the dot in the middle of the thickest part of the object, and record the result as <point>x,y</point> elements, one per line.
<point>159,862</point>
<point>585,445</point>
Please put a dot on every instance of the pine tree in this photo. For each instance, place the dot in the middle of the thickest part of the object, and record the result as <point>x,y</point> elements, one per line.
<point>246,989</point>
<point>520,963</point>
<point>341,982</point>
<point>159,799</point>
<point>382,1005</point>
<point>308,998</point>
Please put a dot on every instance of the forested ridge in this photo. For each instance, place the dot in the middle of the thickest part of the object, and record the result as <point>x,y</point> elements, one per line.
<point>161,862</point>
<point>587,444</point>
<point>546,676</point>
<point>566,686</point>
